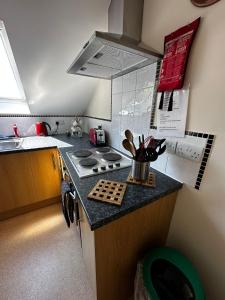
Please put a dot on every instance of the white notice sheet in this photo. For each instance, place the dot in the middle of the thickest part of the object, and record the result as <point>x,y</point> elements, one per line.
<point>172,123</point>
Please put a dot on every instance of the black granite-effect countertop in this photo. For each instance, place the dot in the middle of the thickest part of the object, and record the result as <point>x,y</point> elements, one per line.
<point>99,213</point>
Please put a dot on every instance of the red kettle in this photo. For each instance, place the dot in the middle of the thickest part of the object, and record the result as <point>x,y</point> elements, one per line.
<point>41,128</point>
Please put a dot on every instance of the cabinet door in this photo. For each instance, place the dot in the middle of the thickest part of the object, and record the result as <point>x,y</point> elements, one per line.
<point>28,177</point>
<point>16,181</point>
<point>88,247</point>
<point>45,171</point>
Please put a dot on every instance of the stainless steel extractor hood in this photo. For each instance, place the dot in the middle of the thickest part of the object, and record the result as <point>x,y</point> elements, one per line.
<point>109,55</point>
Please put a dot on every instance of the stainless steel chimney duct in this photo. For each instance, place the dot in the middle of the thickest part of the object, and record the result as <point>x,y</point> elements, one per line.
<point>111,54</point>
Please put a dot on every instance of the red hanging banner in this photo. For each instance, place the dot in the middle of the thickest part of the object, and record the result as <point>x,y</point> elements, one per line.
<point>177,46</point>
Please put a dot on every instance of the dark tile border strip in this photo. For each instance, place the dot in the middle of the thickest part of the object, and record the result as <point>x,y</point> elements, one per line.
<point>154,100</point>
<point>207,152</point>
<point>50,116</point>
<point>108,120</point>
<point>37,116</point>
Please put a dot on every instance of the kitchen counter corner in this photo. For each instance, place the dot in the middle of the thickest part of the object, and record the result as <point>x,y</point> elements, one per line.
<point>98,213</point>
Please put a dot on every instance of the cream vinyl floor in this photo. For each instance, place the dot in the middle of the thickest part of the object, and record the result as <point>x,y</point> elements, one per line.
<point>40,258</point>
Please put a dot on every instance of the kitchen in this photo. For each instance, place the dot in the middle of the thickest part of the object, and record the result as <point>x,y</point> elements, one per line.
<point>43,54</point>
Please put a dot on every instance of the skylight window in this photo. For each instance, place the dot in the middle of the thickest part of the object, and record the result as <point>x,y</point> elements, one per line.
<point>10,83</point>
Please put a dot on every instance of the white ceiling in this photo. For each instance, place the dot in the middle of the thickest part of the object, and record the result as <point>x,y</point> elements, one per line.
<point>45,37</point>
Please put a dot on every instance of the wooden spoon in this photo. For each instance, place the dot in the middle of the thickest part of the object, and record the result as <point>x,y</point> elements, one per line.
<point>129,147</point>
<point>130,137</point>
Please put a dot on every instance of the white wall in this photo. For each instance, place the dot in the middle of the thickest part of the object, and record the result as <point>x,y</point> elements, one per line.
<point>45,37</point>
<point>198,225</point>
<point>100,103</point>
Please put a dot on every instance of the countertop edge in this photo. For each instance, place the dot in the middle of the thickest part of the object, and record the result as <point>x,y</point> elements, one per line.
<point>108,220</point>
<point>26,150</point>
<point>98,223</point>
<point>124,213</point>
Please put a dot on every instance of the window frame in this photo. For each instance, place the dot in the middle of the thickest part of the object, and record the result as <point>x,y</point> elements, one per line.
<point>6,43</point>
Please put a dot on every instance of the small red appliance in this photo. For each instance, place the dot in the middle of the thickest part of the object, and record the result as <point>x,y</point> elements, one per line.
<point>41,128</point>
<point>97,136</point>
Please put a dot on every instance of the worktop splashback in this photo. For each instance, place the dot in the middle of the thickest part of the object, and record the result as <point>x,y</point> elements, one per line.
<point>26,125</point>
<point>133,107</point>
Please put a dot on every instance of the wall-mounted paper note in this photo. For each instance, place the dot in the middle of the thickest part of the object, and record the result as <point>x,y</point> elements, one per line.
<point>172,123</point>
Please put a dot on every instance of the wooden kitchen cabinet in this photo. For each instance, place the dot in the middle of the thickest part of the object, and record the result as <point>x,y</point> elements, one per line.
<point>88,245</point>
<point>112,251</point>
<point>28,180</point>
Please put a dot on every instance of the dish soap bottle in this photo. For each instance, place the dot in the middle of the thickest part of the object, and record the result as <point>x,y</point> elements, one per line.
<point>15,130</point>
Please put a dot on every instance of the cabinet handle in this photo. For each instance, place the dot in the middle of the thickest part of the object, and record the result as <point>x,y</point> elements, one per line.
<point>53,161</point>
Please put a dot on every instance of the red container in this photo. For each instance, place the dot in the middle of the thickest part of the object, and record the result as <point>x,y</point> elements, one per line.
<point>16,131</point>
<point>41,128</point>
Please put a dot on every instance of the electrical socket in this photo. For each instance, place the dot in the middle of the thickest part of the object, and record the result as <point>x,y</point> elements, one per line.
<point>61,122</point>
<point>171,146</point>
<point>189,151</point>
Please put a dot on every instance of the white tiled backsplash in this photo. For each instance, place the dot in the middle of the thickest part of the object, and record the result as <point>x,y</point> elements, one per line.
<point>132,97</point>
<point>26,125</point>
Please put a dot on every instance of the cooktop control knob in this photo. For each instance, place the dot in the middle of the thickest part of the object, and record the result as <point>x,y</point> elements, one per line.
<point>110,166</point>
<point>95,170</point>
<point>117,164</point>
<point>103,168</point>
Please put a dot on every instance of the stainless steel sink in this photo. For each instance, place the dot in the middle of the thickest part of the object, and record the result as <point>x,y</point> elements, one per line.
<point>10,144</point>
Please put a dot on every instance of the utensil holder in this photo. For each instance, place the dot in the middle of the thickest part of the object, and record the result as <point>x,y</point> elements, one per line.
<point>140,170</point>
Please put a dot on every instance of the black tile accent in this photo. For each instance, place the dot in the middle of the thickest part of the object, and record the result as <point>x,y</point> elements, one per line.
<point>208,146</point>
<point>206,155</point>
<point>205,158</point>
<point>37,116</point>
<point>108,120</point>
<point>209,142</point>
<point>198,182</point>
<point>154,100</point>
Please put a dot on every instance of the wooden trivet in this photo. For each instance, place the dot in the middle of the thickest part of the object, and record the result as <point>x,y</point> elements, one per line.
<point>108,191</point>
<point>150,182</point>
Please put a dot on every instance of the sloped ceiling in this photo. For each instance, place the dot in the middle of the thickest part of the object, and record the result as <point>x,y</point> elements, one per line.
<point>45,37</point>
